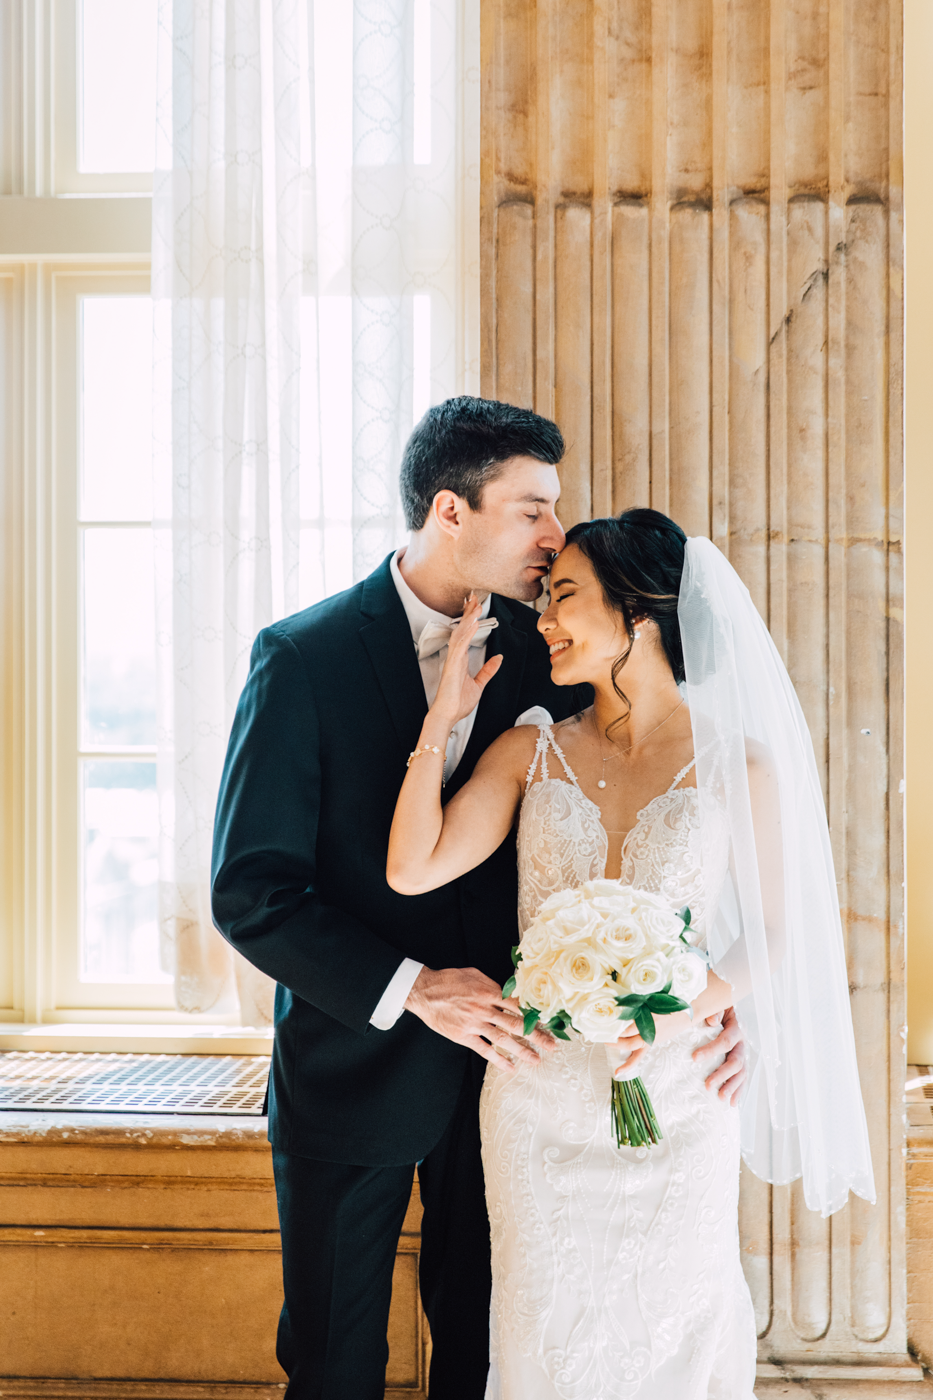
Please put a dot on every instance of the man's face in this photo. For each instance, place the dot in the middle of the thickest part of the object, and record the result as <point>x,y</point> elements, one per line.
<point>507,545</point>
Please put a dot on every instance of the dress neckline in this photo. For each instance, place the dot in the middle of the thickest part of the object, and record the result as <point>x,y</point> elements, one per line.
<point>546,740</point>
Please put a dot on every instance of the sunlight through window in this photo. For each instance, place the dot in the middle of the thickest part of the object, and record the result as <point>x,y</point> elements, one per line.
<point>116,85</point>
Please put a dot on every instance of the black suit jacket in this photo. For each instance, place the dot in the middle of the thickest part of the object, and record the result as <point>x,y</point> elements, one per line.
<point>332,707</point>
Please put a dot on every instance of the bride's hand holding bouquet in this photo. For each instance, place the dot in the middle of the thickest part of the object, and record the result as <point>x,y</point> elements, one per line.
<point>599,959</point>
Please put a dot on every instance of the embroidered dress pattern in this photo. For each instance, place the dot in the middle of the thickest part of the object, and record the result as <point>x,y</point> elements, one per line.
<point>616,1271</point>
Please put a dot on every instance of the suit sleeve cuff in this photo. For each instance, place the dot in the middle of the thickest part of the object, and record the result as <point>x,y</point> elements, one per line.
<point>392,1002</point>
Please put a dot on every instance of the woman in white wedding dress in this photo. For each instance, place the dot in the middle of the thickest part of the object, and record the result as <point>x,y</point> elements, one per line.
<point>617,1271</point>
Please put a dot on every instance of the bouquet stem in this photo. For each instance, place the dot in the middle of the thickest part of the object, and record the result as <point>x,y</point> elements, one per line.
<point>632,1115</point>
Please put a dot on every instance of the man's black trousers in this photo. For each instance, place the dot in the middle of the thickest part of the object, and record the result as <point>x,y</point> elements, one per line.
<point>340,1228</point>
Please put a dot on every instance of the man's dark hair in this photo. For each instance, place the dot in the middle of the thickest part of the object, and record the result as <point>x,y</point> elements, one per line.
<point>461,445</point>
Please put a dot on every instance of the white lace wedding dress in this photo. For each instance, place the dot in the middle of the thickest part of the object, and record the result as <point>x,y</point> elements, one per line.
<point>616,1272</point>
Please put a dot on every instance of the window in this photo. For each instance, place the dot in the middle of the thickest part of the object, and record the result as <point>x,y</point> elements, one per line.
<point>104,55</point>
<point>79,862</point>
<point>119,821</point>
<point>80,885</point>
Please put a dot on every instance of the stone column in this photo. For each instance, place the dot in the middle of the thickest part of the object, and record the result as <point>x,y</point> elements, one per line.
<point>692,258</point>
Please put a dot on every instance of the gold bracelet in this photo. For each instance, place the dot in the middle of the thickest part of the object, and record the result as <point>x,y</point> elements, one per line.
<point>416,753</point>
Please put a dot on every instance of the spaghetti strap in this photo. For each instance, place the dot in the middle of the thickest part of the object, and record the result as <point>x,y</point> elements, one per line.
<point>682,774</point>
<point>540,752</point>
<point>686,769</point>
<point>547,741</point>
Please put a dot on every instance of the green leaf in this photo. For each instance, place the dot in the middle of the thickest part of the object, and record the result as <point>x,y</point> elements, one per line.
<point>558,1025</point>
<point>516,956</point>
<point>532,1017</point>
<point>685,915</point>
<point>663,1005</point>
<point>645,1022</point>
<point>509,989</point>
<point>633,1001</point>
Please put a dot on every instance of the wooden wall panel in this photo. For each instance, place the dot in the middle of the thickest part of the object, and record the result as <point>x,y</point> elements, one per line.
<point>631,339</point>
<point>515,288</point>
<point>572,355</point>
<point>748,395</point>
<point>689,360</point>
<point>692,253</point>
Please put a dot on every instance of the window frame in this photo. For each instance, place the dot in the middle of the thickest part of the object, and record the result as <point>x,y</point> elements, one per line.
<point>66,93</point>
<point>72,992</point>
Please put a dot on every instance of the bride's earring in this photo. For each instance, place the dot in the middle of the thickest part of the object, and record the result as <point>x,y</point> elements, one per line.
<point>636,634</point>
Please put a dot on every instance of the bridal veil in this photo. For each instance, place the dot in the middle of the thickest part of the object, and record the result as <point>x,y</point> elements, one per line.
<point>777,937</point>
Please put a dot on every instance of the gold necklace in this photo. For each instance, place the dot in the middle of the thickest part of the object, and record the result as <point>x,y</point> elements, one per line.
<point>619,752</point>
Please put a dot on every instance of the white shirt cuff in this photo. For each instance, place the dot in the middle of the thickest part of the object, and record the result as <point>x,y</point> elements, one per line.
<point>392,1002</point>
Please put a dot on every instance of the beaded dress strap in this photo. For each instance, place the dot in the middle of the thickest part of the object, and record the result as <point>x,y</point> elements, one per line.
<point>546,740</point>
<point>686,769</point>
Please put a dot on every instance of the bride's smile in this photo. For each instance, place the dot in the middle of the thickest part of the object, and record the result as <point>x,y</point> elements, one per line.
<point>583,636</point>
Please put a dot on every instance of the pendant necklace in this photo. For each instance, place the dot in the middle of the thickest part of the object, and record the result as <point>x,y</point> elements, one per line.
<point>619,752</point>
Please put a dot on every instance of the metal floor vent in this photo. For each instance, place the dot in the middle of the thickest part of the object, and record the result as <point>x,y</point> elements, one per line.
<point>115,1083</point>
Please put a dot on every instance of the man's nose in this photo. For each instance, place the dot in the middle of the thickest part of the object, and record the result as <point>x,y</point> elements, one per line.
<point>552,536</point>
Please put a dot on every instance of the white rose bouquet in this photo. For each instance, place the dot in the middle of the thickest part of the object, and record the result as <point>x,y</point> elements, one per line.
<point>597,958</point>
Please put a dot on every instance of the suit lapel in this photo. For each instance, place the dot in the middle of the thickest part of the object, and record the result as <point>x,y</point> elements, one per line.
<point>386,635</point>
<point>498,709</point>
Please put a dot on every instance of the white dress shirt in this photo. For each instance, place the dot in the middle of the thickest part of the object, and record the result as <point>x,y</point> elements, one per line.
<point>392,1002</point>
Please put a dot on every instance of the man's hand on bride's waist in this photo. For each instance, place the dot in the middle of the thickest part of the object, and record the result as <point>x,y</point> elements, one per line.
<point>466,1006</point>
<point>728,1080</point>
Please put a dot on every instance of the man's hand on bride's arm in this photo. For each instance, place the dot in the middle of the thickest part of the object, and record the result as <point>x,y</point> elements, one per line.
<point>466,1006</point>
<point>729,1079</point>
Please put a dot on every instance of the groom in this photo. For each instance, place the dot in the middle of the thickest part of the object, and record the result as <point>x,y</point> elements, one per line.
<point>387,1006</point>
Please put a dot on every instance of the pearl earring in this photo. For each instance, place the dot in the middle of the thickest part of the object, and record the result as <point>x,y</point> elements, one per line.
<point>636,634</point>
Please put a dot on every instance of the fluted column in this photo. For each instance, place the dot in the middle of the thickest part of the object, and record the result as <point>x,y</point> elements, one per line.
<point>692,256</point>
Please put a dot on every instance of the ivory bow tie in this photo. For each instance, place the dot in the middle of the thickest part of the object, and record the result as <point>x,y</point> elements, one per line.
<point>436,636</point>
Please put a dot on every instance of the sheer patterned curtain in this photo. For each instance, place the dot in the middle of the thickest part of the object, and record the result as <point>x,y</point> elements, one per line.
<point>315,266</point>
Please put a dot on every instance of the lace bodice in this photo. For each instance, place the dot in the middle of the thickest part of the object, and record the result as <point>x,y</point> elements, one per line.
<point>562,841</point>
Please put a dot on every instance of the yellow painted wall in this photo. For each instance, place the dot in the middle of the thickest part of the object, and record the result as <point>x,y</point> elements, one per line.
<point>918,183</point>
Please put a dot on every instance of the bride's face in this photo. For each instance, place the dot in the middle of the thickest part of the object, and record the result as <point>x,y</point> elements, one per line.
<point>584,635</point>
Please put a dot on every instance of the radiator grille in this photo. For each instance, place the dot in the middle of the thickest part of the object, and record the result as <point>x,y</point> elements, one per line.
<point>115,1083</point>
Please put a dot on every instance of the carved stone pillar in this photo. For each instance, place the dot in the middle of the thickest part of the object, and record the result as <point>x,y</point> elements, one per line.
<point>691,257</point>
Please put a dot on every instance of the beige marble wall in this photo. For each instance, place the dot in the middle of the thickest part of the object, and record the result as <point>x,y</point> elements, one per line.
<point>140,1260</point>
<point>692,257</point>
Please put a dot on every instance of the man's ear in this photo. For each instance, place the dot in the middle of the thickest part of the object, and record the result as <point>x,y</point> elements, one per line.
<point>448,510</point>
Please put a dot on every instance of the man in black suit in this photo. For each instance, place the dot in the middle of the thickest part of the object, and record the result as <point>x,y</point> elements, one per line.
<point>382,1000</point>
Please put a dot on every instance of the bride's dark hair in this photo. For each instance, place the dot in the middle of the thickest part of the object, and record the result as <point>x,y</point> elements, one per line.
<point>638,558</point>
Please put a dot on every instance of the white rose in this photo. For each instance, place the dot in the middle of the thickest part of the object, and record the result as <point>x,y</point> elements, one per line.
<point>688,975</point>
<point>647,974</point>
<point>535,942</point>
<point>562,900</point>
<point>537,987</point>
<point>619,907</point>
<point>596,1016</point>
<point>622,939</point>
<point>662,927</point>
<point>579,969</point>
<point>574,925</point>
<point>602,889</point>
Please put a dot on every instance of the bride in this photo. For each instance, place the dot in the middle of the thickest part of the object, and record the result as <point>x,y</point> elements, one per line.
<point>616,1271</point>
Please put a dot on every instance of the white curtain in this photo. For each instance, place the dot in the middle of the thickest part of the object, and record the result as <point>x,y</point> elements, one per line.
<point>315,266</point>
